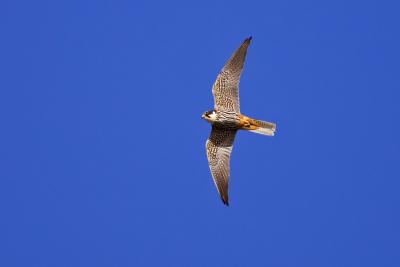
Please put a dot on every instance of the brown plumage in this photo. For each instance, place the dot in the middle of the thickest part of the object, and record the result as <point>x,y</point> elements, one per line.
<point>226,119</point>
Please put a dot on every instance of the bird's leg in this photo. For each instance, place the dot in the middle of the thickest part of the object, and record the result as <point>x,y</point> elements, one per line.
<point>247,123</point>
<point>244,122</point>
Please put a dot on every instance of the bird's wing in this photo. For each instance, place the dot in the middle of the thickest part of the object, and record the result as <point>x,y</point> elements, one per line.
<point>226,86</point>
<point>219,147</point>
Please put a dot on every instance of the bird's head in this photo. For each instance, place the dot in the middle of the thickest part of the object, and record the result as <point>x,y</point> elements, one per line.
<point>210,116</point>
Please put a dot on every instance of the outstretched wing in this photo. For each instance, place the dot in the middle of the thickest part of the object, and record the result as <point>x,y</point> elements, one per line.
<point>219,147</point>
<point>226,86</point>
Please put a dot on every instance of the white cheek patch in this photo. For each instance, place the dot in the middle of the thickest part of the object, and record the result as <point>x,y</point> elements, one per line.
<point>213,116</point>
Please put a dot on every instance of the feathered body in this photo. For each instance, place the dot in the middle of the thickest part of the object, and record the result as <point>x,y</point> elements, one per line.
<point>226,120</point>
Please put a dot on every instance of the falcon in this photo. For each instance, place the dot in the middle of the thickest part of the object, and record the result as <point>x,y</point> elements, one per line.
<point>226,120</point>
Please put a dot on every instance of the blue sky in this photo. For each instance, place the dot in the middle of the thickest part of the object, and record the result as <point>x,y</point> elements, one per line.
<point>102,159</point>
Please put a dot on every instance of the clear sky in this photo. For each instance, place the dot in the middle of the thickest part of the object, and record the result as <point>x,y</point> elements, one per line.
<point>102,147</point>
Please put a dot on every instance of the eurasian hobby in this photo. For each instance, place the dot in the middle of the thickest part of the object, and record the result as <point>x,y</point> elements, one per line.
<point>226,120</point>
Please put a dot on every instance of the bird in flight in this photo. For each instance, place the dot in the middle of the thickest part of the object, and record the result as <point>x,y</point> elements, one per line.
<point>226,120</point>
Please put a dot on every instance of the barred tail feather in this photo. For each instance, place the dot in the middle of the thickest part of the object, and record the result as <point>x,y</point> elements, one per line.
<point>264,127</point>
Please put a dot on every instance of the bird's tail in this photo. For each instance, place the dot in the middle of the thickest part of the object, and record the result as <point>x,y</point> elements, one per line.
<point>265,128</point>
<point>257,126</point>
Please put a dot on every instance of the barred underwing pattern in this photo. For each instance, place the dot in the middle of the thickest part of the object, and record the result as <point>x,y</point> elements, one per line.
<point>219,147</point>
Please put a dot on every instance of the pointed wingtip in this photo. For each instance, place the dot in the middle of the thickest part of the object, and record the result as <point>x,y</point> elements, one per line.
<point>225,201</point>
<point>246,41</point>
